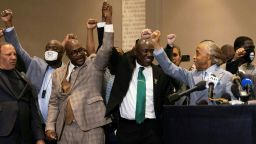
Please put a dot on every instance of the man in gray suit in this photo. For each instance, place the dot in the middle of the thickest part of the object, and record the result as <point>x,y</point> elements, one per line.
<point>76,107</point>
<point>207,61</point>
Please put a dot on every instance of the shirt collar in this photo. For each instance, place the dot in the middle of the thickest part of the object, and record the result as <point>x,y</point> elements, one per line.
<point>211,69</point>
<point>138,66</point>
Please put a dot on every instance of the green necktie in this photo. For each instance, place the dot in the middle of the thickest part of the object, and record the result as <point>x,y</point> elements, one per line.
<point>141,97</point>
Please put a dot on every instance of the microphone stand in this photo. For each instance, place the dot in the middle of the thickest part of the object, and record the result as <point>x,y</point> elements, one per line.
<point>188,99</point>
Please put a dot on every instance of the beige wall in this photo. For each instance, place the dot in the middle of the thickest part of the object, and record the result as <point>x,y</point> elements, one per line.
<point>38,21</point>
<point>195,20</point>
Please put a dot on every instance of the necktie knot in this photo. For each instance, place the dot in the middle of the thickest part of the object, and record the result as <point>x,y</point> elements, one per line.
<point>141,68</point>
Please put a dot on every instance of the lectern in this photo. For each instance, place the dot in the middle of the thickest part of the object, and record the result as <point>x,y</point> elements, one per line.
<point>209,124</point>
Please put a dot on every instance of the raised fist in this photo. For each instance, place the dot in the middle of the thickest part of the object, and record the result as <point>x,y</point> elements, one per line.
<point>106,13</point>
<point>6,17</point>
<point>68,37</point>
<point>170,39</point>
<point>146,33</point>
<point>155,36</point>
<point>91,23</point>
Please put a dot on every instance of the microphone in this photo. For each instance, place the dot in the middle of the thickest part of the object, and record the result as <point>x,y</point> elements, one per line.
<point>198,87</point>
<point>247,85</point>
<point>212,82</point>
<point>237,89</point>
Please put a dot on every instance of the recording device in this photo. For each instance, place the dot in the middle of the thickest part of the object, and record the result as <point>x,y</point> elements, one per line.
<point>185,58</point>
<point>211,83</point>
<point>198,87</point>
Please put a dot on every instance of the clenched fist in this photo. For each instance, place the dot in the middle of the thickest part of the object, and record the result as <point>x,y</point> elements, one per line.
<point>6,17</point>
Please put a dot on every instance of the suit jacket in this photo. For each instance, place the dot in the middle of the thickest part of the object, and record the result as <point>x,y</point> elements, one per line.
<point>20,107</point>
<point>191,78</point>
<point>36,67</point>
<point>84,95</point>
<point>123,76</point>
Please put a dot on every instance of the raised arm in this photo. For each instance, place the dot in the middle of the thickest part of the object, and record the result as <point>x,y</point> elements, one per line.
<point>11,36</point>
<point>168,67</point>
<point>104,53</point>
<point>90,44</point>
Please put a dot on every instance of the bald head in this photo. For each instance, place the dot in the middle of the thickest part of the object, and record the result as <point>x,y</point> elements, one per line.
<point>75,52</point>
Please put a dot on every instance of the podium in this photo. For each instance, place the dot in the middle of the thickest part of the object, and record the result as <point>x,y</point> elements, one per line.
<point>209,124</point>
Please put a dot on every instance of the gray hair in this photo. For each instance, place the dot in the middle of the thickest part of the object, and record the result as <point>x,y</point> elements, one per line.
<point>214,51</point>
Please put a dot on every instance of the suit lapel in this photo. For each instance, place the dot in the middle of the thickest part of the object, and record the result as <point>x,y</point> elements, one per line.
<point>26,84</point>
<point>5,84</point>
<point>76,73</point>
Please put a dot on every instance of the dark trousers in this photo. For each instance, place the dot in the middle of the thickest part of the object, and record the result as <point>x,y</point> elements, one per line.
<point>110,136</point>
<point>129,132</point>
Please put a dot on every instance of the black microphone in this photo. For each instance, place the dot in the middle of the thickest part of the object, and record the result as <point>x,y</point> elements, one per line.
<point>239,91</point>
<point>198,87</point>
<point>212,81</point>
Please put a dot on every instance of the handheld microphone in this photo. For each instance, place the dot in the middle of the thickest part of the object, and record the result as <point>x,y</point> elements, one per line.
<point>247,85</point>
<point>198,87</point>
<point>237,89</point>
<point>211,83</point>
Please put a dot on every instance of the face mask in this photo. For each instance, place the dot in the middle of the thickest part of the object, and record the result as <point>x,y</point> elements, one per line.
<point>249,56</point>
<point>50,55</point>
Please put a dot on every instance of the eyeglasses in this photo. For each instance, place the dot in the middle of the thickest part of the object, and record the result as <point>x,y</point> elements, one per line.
<point>77,51</point>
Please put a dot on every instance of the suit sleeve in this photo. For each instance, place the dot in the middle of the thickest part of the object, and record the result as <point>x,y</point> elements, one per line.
<point>104,53</point>
<point>232,66</point>
<point>12,38</point>
<point>53,106</point>
<point>100,31</point>
<point>171,69</point>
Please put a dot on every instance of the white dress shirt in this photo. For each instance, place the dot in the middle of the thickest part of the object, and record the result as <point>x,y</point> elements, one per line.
<point>128,105</point>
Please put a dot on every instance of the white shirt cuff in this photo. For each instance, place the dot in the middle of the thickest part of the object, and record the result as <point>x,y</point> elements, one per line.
<point>109,28</point>
<point>9,29</point>
<point>101,24</point>
<point>158,51</point>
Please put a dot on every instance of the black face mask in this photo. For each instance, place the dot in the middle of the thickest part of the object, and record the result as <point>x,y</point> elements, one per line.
<point>249,56</point>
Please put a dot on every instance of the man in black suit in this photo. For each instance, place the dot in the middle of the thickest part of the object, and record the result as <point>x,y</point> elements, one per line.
<point>19,117</point>
<point>124,99</point>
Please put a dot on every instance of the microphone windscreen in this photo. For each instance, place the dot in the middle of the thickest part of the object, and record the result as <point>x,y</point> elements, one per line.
<point>246,82</point>
<point>201,85</point>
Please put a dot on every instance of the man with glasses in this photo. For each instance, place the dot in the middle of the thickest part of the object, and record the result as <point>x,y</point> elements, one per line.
<point>76,107</point>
